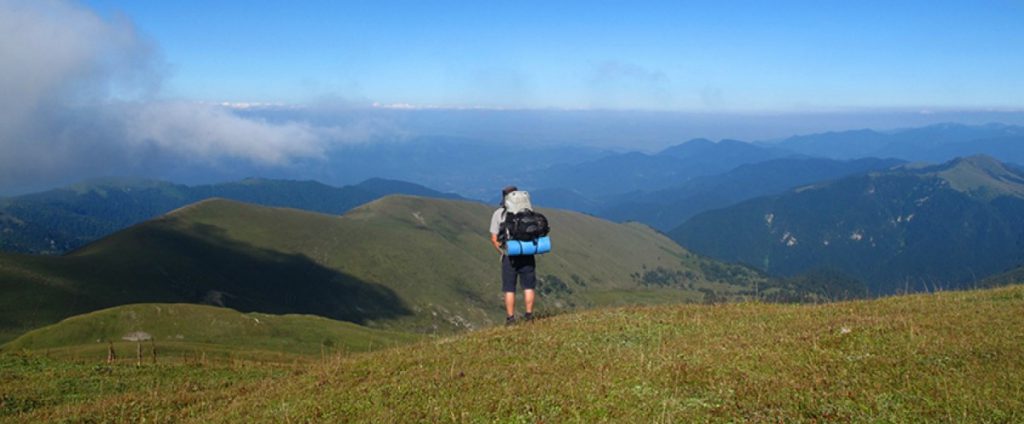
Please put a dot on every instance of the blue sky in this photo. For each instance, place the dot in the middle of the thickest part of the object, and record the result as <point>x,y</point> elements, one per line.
<point>688,56</point>
<point>101,87</point>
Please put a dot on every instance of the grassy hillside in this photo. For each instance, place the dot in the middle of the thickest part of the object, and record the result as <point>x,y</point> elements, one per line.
<point>159,263</point>
<point>399,262</point>
<point>177,330</point>
<point>949,357</point>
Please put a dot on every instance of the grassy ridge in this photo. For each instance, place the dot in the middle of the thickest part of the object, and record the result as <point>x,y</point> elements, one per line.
<point>183,330</point>
<point>436,255</point>
<point>955,357</point>
<point>401,262</point>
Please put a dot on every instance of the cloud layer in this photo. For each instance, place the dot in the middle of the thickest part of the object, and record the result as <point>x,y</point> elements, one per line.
<point>81,99</point>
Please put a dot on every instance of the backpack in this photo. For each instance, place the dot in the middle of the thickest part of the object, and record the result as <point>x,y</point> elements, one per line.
<point>526,225</point>
<point>521,222</point>
<point>517,201</point>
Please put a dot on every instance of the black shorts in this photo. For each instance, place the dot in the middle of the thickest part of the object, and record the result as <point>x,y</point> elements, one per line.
<point>518,266</point>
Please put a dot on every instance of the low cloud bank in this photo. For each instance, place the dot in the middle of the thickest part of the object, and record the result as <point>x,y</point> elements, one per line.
<point>81,99</point>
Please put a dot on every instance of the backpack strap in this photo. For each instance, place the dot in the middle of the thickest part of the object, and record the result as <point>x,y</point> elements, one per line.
<point>503,225</point>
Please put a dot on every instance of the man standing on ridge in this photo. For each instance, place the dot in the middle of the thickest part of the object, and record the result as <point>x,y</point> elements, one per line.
<point>512,267</point>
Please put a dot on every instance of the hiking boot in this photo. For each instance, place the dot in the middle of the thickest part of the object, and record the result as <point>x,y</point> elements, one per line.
<point>510,320</point>
<point>528,316</point>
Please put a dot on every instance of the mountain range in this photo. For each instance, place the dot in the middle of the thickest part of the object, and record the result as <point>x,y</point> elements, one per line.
<point>661,189</point>
<point>60,220</point>
<point>628,172</point>
<point>407,263</point>
<point>827,228</point>
<point>910,228</point>
<point>478,166</point>
<point>933,143</point>
<point>665,189</point>
<point>668,208</point>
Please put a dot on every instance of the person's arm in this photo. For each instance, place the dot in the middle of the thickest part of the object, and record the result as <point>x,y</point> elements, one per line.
<point>496,243</point>
<point>495,228</point>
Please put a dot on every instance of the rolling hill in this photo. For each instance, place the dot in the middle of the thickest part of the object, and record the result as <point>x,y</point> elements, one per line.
<point>400,262</point>
<point>177,330</point>
<point>158,262</point>
<point>913,228</point>
<point>945,357</point>
<point>61,220</point>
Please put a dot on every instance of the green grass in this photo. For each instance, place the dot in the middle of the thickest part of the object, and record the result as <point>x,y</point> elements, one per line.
<point>952,357</point>
<point>39,389</point>
<point>947,357</point>
<point>653,296</point>
<point>195,331</point>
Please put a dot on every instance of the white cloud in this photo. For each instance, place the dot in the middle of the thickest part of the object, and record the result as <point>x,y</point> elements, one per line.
<point>207,131</point>
<point>80,98</point>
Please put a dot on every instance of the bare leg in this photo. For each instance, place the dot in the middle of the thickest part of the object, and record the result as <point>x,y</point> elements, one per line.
<point>528,294</point>
<point>510,302</point>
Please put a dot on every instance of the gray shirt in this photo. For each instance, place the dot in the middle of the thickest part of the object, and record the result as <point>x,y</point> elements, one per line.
<point>496,219</point>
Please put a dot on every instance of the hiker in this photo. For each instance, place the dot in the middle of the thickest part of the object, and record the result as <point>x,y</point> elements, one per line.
<point>512,267</point>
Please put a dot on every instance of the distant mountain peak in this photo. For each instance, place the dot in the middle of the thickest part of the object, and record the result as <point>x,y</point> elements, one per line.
<point>378,180</point>
<point>383,186</point>
<point>981,175</point>
<point>700,146</point>
<point>102,184</point>
<point>988,126</point>
<point>946,125</point>
<point>260,181</point>
<point>979,161</point>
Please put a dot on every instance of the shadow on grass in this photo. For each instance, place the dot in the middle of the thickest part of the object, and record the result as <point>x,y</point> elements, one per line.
<point>203,265</point>
<point>157,262</point>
